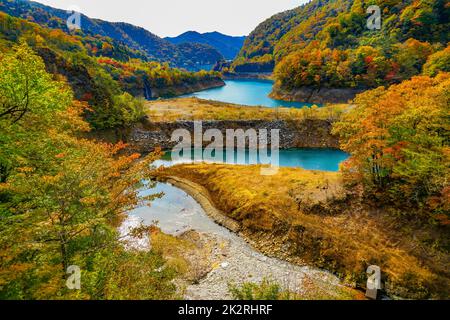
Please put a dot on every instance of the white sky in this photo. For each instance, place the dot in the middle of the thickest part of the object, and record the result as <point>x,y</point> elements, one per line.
<point>173,17</point>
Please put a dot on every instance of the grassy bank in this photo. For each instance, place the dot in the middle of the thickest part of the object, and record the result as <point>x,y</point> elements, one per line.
<point>306,216</point>
<point>199,109</point>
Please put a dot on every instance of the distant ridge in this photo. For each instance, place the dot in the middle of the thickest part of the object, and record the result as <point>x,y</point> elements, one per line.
<point>228,46</point>
<point>189,57</point>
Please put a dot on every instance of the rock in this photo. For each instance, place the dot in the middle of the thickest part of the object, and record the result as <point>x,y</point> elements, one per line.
<point>185,88</point>
<point>309,133</point>
<point>245,265</point>
<point>314,95</point>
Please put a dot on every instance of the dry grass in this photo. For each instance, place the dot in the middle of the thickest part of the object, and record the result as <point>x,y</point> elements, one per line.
<point>189,254</point>
<point>198,109</point>
<point>312,290</point>
<point>310,211</point>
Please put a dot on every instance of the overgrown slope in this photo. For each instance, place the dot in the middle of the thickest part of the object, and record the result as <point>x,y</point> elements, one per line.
<point>100,71</point>
<point>228,46</point>
<point>326,43</point>
<point>137,38</point>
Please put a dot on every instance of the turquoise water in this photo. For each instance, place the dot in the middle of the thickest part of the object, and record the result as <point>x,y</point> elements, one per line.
<point>246,92</point>
<point>309,159</point>
<point>175,212</point>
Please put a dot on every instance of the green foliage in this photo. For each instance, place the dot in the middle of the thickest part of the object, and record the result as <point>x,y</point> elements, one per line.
<point>26,90</point>
<point>124,275</point>
<point>327,43</point>
<point>438,62</point>
<point>61,196</point>
<point>267,290</point>
<point>399,142</point>
<point>27,87</point>
<point>103,81</point>
<point>128,108</point>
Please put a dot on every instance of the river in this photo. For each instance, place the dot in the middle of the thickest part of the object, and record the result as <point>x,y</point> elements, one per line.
<point>322,159</point>
<point>176,212</point>
<point>237,261</point>
<point>246,92</point>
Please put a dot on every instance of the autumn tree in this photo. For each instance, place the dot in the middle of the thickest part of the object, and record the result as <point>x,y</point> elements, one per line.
<point>399,144</point>
<point>27,87</point>
<point>438,62</point>
<point>64,195</point>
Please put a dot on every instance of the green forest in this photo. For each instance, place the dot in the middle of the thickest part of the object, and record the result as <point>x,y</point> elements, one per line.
<point>63,194</point>
<point>105,75</point>
<point>327,44</point>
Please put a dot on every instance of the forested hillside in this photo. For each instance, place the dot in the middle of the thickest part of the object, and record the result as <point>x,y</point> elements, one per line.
<point>326,43</point>
<point>152,47</point>
<point>228,46</point>
<point>61,196</point>
<point>104,75</point>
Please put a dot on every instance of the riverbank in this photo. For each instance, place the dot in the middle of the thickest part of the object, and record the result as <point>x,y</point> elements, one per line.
<point>233,261</point>
<point>248,76</point>
<point>193,108</point>
<point>185,88</point>
<point>308,217</point>
<point>314,95</point>
<point>236,263</point>
<point>299,128</point>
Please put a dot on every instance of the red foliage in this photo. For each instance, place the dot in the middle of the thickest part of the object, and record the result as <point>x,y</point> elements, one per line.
<point>368,60</point>
<point>87,97</point>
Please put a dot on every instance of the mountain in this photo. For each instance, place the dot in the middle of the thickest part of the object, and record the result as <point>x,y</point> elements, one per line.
<point>102,74</point>
<point>201,55</point>
<point>228,46</point>
<point>326,43</point>
<point>154,47</point>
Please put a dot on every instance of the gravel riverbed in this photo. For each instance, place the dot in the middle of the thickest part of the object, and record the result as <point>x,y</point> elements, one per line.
<point>229,259</point>
<point>236,262</point>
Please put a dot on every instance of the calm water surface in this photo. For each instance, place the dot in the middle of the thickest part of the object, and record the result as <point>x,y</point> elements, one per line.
<point>309,159</point>
<point>246,92</point>
<point>176,212</point>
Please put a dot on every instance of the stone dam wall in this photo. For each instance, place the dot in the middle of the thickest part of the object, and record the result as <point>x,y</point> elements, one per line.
<point>312,133</point>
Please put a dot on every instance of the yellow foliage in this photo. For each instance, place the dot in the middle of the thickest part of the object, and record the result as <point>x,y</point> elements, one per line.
<point>311,210</point>
<point>198,109</point>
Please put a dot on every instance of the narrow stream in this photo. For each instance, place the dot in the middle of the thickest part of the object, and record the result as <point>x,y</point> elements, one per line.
<point>177,212</point>
<point>237,261</point>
